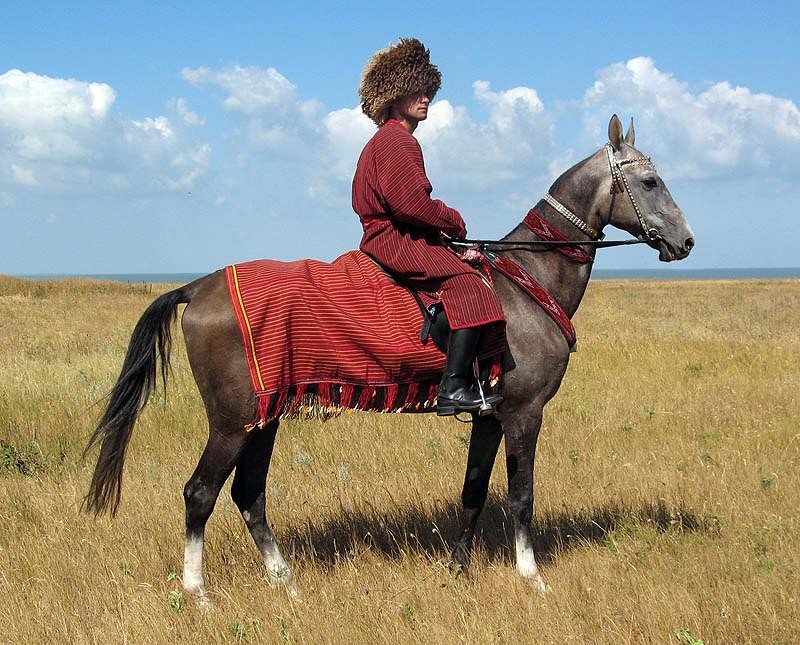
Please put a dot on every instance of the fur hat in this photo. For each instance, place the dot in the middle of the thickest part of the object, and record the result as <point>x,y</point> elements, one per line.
<point>394,72</point>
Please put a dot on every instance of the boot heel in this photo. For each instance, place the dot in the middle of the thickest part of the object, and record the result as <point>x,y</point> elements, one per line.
<point>445,411</point>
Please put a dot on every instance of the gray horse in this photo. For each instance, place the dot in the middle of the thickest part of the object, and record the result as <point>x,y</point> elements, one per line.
<point>616,186</point>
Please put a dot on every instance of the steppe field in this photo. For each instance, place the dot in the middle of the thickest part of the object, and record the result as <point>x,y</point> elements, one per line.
<point>667,481</point>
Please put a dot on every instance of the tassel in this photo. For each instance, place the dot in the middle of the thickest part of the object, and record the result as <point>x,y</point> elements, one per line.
<point>261,413</point>
<point>324,395</point>
<point>496,370</point>
<point>411,395</point>
<point>280,402</point>
<point>365,398</point>
<point>297,401</point>
<point>433,393</point>
<point>391,396</point>
<point>346,395</point>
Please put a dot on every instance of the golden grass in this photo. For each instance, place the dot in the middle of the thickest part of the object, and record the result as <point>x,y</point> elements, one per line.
<point>667,480</point>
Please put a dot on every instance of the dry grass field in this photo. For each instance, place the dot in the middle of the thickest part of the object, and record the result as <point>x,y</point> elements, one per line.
<point>668,480</point>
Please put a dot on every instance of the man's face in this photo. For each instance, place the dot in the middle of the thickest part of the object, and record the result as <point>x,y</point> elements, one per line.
<point>413,107</point>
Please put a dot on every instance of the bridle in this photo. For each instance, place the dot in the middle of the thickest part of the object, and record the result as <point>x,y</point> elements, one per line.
<point>619,184</point>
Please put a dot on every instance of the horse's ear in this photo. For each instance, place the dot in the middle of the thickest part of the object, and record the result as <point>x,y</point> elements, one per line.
<point>615,132</point>
<point>630,135</point>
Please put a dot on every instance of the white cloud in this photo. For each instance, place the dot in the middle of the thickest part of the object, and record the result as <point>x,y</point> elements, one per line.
<point>514,144</point>
<point>23,176</point>
<point>61,134</point>
<point>186,115</point>
<point>347,132</point>
<point>720,131</point>
<point>251,90</point>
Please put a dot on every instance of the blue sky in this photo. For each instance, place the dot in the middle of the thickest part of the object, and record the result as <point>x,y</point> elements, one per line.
<point>151,138</point>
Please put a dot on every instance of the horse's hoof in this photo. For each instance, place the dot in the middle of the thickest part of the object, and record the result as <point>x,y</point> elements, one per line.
<point>283,579</point>
<point>459,570</point>
<point>541,586</point>
<point>200,597</point>
<point>294,591</point>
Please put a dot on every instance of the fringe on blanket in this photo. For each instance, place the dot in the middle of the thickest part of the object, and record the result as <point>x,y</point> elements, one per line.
<point>327,400</point>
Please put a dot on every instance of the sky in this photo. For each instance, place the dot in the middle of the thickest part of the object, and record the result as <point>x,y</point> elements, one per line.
<point>181,137</point>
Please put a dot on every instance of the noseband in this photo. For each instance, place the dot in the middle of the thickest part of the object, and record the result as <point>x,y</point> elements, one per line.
<point>619,184</point>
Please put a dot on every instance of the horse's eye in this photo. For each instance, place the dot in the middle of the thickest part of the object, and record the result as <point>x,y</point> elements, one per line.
<point>649,183</point>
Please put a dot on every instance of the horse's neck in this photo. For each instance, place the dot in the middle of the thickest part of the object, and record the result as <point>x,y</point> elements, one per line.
<point>565,279</point>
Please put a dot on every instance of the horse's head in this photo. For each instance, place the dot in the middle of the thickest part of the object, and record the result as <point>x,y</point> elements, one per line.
<point>638,200</point>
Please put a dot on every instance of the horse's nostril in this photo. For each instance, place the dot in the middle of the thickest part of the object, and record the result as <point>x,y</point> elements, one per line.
<point>689,244</point>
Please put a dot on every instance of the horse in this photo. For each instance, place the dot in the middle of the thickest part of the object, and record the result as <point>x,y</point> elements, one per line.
<point>616,186</point>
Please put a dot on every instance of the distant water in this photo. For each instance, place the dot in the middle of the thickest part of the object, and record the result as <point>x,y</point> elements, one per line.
<point>599,274</point>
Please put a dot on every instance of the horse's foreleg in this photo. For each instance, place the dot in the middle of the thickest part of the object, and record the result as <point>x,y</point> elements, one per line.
<point>483,444</point>
<point>521,436</point>
<point>200,495</point>
<point>248,492</point>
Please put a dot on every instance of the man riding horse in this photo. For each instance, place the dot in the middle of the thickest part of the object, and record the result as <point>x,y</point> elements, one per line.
<point>405,231</point>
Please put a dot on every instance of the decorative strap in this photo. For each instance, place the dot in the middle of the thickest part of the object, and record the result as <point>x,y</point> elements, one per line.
<point>546,231</point>
<point>540,295</point>
<point>619,184</point>
<point>571,217</point>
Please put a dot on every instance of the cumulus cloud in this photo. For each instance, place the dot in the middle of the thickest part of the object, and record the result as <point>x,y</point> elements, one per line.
<point>513,144</point>
<point>723,130</point>
<point>61,134</point>
<point>276,117</point>
<point>346,133</point>
<point>286,134</point>
<point>186,115</point>
<point>251,90</point>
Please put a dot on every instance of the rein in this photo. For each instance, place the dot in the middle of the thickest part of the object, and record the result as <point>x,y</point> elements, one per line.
<point>529,246</point>
<point>619,184</point>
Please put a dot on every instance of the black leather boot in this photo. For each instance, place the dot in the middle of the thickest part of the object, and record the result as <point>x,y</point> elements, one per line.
<point>455,391</point>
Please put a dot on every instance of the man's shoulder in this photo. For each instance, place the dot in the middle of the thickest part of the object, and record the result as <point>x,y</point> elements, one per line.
<point>393,134</point>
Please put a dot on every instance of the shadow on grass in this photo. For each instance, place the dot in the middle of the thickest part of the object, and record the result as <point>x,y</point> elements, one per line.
<point>433,532</point>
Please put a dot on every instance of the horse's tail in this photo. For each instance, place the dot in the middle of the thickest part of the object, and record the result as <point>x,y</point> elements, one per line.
<point>151,339</point>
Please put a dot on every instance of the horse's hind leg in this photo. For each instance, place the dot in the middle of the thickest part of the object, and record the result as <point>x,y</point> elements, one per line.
<point>248,492</point>
<point>200,495</point>
<point>483,444</point>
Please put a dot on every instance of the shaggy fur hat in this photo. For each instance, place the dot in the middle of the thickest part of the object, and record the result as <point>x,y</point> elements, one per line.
<point>394,72</point>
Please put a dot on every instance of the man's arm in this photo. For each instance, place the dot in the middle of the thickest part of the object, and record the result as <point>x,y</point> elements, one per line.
<point>407,192</point>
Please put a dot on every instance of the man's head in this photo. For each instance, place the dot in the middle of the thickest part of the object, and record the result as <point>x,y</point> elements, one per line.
<point>400,77</point>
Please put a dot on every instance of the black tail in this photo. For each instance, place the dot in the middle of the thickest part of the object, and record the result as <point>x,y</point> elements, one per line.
<point>151,339</point>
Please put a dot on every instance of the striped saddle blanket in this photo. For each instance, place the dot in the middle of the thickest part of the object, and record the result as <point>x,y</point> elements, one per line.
<point>322,337</point>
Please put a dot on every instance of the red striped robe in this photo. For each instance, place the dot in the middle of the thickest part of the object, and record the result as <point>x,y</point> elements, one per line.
<point>402,226</point>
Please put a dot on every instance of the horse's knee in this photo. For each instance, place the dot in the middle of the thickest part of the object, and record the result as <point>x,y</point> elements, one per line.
<point>198,498</point>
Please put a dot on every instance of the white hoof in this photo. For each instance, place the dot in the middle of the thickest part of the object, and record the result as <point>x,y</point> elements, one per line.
<point>283,578</point>
<point>541,586</point>
<point>199,595</point>
<point>204,602</point>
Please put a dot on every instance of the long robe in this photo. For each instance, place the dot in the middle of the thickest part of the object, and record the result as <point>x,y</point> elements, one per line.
<point>403,226</point>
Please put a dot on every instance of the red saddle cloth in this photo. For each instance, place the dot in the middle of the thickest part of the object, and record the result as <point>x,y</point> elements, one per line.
<point>321,338</point>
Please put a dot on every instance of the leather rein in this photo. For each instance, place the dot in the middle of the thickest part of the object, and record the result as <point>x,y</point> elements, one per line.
<point>619,184</point>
